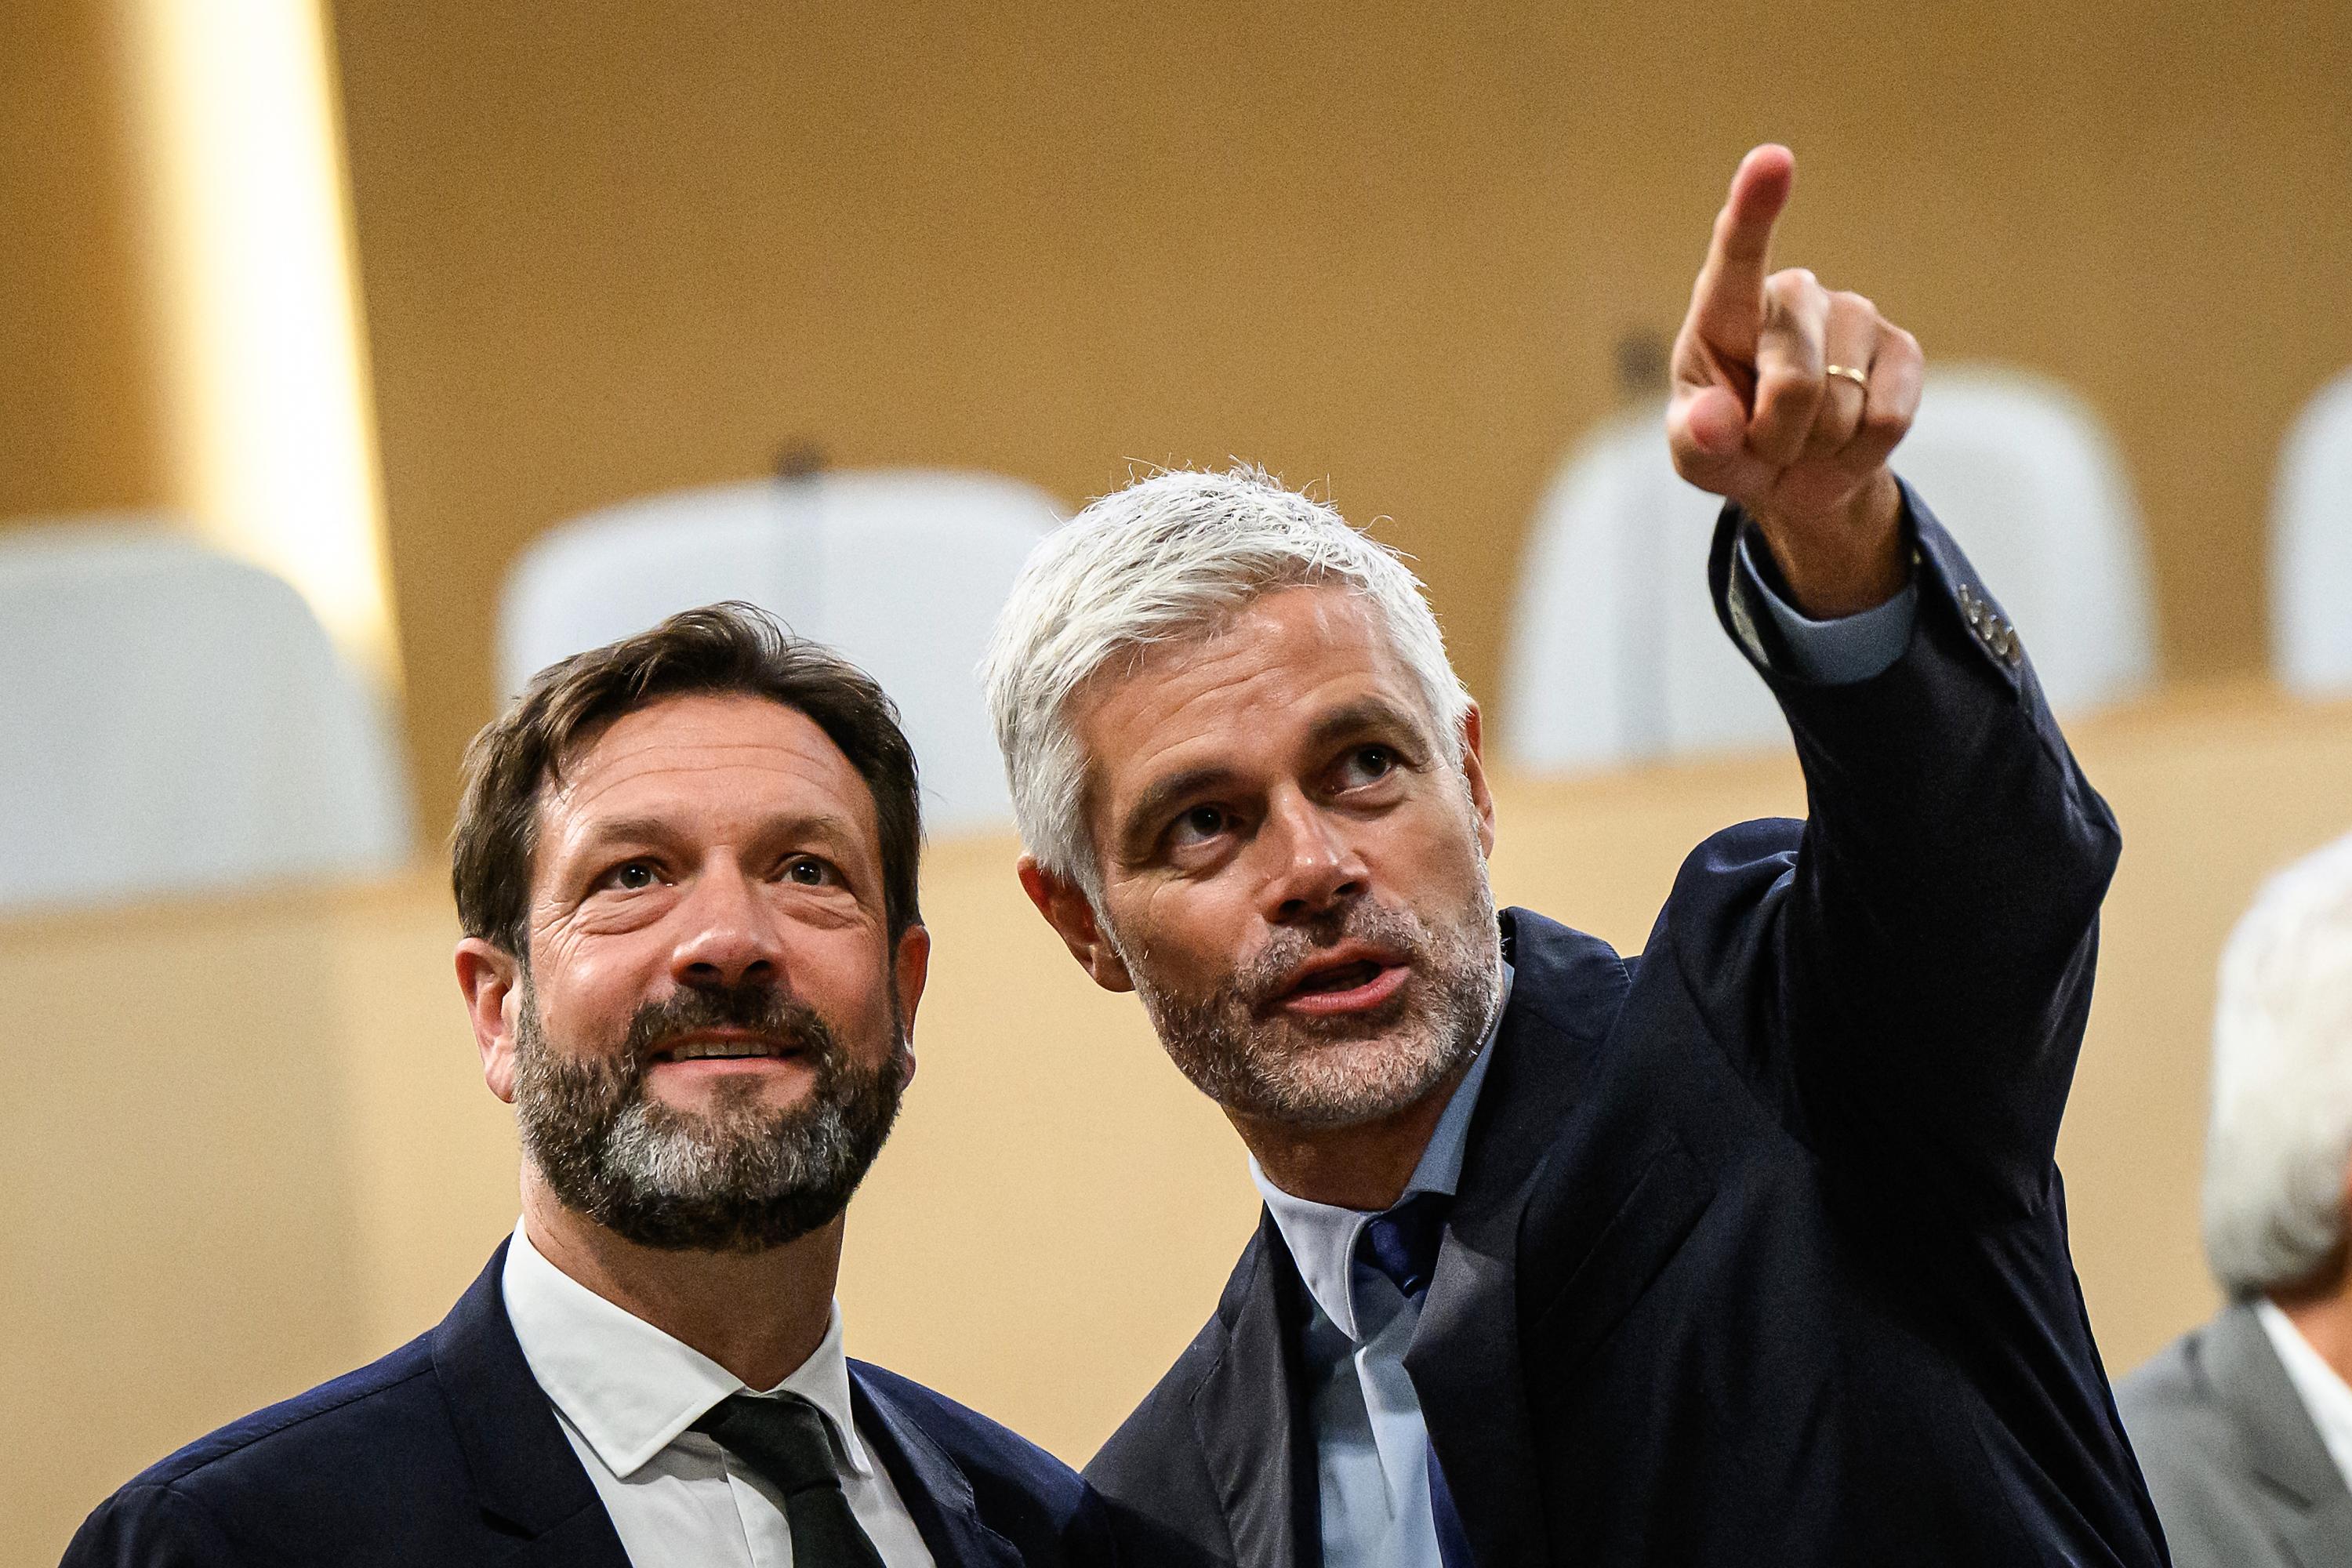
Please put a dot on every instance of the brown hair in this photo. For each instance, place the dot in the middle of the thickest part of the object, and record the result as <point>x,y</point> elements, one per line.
<point>719,649</point>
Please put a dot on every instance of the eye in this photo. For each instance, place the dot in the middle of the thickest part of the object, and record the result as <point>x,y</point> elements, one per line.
<point>1201,822</point>
<point>808,871</point>
<point>630,877</point>
<point>1366,764</point>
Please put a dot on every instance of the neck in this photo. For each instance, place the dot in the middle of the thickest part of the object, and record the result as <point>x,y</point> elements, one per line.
<point>759,1314</point>
<point>1361,1166</point>
<point>2324,1319</point>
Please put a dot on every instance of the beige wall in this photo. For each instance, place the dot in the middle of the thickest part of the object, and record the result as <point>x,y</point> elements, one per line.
<point>612,247</point>
<point>247,1147</point>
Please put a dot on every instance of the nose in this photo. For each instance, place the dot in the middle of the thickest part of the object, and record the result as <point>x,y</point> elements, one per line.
<point>727,935</point>
<point>1318,866</point>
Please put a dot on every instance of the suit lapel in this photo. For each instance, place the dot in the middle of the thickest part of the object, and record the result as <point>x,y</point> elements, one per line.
<point>1464,1356</point>
<point>524,1470</point>
<point>1248,1413</point>
<point>936,1492</point>
<point>2282,1444</point>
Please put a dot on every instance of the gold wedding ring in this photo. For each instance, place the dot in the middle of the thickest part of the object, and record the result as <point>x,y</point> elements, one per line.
<point>1860,378</point>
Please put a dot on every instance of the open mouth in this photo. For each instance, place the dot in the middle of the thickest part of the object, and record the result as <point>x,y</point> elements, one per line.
<point>1346,977</point>
<point>1345,982</point>
<point>726,1048</point>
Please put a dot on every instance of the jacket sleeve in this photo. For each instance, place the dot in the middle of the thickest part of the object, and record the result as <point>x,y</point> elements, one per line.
<point>1927,963</point>
<point>150,1526</point>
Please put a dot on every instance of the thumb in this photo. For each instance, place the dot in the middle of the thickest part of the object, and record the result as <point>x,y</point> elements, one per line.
<point>1714,421</point>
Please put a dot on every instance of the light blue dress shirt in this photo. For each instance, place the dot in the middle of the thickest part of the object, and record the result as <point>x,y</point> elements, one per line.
<point>1370,1442</point>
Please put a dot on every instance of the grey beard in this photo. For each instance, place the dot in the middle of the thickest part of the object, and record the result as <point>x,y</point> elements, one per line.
<point>1268,1066</point>
<point>742,1177</point>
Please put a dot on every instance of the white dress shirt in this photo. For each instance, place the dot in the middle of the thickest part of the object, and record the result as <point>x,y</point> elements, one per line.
<point>1370,1442</point>
<point>2326,1398</point>
<point>626,1394</point>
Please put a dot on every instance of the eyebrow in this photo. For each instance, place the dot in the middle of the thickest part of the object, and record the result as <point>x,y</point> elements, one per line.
<point>1357,718</point>
<point>834,831</point>
<point>1140,827</point>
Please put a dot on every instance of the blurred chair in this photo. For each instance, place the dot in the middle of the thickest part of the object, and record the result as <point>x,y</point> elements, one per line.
<point>1615,655</point>
<point>903,571</point>
<point>2310,547</point>
<point>177,722</point>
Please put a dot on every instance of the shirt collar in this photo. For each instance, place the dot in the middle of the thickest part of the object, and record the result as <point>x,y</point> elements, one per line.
<point>1322,1236</point>
<point>2325,1397</point>
<point>630,1389</point>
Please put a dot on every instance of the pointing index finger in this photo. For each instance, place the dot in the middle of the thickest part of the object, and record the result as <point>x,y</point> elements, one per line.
<point>1727,306</point>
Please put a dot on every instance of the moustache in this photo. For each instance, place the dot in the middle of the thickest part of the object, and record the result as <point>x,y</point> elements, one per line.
<point>754,1006</point>
<point>1274,972</point>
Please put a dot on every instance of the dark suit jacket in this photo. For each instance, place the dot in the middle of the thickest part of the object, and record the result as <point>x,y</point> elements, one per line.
<point>1759,1253</point>
<point>2240,1475</point>
<point>447,1452</point>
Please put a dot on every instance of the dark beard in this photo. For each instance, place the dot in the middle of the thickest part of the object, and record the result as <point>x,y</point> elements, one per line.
<point>742,1177</point>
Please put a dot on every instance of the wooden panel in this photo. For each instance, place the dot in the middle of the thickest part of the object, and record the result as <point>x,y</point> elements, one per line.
<point>616,248</point>
<point>79,406</point>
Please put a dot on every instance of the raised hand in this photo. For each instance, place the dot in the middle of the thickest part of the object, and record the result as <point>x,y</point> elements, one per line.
<point>1789,398</point>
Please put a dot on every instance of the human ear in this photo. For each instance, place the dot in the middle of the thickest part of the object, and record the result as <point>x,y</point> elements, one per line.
<point>910,967</point>
<point>1474,771</point>
<point>1071,913</point>
<point>491,979</point>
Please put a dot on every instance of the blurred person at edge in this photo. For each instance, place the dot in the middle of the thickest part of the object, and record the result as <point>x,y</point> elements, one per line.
<point>1749,1251</point>
<point>2244,1425</point>
<point>685,869</point>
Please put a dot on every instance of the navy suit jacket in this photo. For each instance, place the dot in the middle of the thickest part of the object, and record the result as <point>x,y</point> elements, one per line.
<point>1760,1254</point>
<point>447,1452</point>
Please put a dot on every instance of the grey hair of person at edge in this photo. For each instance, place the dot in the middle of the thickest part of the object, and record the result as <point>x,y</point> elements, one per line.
<point>741,1178</point>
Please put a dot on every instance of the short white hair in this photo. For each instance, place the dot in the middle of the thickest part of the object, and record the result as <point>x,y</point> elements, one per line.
<point>1171,558</point>
<point>2281,1140</point>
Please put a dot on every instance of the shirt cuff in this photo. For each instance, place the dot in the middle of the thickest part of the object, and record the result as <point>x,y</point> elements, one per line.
<point>1843,651</point>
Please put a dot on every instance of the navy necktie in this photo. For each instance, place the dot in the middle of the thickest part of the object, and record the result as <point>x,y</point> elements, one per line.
<point>1402,1246</point>
<point>783,1440</point>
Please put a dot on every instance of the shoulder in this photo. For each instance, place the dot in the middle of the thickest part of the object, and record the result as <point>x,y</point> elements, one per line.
<point>1007,1472</point>
<point>2170,1388</point>
<point>288,1461</point>
<point>2190,1447</point>
<point>1153,1475</point>
<point>1159,1430</point>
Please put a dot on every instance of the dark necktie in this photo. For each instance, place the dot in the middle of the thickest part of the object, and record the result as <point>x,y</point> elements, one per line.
<point>1402,1246</point>
<point>783,1440</point>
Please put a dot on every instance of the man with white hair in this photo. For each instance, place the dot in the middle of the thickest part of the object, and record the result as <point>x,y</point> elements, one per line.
<point>2245,1424</point>
<point>1750,1250</point>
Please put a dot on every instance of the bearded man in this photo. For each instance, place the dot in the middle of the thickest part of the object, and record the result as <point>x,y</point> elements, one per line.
<point>1749,1250</point>
<point>685,869</point>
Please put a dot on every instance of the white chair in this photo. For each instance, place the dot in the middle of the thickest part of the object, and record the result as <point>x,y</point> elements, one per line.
<point>2311,548</point>
<point>177,722</point>
<point>1615,654</point>
<point>2031,485</point>
<point>903,571</point>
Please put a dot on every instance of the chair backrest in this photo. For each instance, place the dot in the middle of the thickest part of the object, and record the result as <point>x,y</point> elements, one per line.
<point>2027,479</point>
<point>2311,548</point>
<point>1615,654</point>
<point>902,571</point>
<point>177,722</point>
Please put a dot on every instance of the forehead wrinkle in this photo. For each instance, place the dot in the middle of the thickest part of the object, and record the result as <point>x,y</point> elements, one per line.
<point>587,785</point>
<point>694,743</point>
